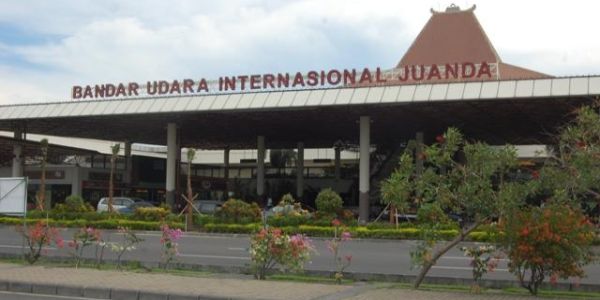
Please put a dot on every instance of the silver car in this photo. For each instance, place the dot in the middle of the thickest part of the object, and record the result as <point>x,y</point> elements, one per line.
<point>118,203</point>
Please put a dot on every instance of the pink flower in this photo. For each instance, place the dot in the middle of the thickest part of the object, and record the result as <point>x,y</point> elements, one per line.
<point>346,235</point>
<point>349,258</point>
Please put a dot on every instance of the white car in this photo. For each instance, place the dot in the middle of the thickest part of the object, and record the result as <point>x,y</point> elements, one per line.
<point>118,203</point>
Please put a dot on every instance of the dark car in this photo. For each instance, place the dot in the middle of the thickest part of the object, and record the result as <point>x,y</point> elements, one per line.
<point>130,209</point>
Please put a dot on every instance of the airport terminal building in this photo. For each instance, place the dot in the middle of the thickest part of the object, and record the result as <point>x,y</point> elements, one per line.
<point>451,75</point>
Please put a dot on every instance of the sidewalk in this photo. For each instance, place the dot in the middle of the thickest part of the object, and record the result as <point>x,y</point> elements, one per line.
<point>98,284</point>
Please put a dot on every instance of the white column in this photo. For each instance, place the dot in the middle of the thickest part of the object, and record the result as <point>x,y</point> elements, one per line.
<point>17,162</point>
<point>76,181</point>
<point>364,169</point>
<point>172,149</point>
<point>260,167</point>
<point>300,172</point>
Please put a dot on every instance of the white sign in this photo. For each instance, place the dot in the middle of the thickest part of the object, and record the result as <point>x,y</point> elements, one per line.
<point>13,196</point>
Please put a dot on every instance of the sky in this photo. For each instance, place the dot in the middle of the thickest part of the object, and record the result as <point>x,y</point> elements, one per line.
<point>46,47</point>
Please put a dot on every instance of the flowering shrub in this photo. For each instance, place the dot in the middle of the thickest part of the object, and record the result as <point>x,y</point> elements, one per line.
<point>81,239</point>
<point>169,243</point>
<point>482,262</point>
<point>128,243</point>
<point>335,247</point>
<point>271,247</point>
<point>37,237</point>
<point>553,241</point>
<point>238,211</point>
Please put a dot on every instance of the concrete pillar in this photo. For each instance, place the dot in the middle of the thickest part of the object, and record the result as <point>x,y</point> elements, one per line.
<point>364,169</point>
<point>300,172</point>
<point>226,172</point>
<point>260,167</point>
<point>419,153</point>
<point>172,149</point>
<point>338,174</point>
<point>76,181</point>
<point>17,162</point>
<point>128,165</point>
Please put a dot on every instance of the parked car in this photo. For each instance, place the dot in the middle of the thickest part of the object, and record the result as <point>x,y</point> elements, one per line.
<point>208,206</point>
<point>130,209</point>
<point>118,203</point>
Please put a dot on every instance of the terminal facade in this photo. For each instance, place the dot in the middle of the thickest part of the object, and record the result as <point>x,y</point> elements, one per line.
<point>451,75</point>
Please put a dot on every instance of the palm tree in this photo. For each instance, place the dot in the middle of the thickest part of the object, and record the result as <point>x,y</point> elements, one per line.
<point>41,197</point>
<point>113,158</point>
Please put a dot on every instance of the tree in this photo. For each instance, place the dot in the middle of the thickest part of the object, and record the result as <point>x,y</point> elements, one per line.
<point>113,159</point>
<point>462,178</point>
<point>554,240</point>
<point>41,197</point>
<point>571,173</point>
<point>191,154</point>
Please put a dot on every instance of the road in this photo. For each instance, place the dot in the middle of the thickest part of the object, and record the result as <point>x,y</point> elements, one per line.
<point>368,256</point>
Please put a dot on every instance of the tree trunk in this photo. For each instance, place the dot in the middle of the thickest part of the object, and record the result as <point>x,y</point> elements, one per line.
<point>42,196</point>
<point>111,184</point>
<point>190,213</point>
<point>442,251</point>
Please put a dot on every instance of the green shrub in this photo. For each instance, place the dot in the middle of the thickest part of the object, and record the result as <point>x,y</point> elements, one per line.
<point>150,214</point>
<point>202,219</point>
<point>74,204</point>
<point>287,199</point>
<point>103,224</point>
<point>233,228</point>
<point>431,213</point>
<point>238,211</point>
<point>288,220</point>
<point>328,201</point>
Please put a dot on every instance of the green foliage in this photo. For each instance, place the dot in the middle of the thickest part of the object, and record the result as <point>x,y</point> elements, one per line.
<point>151,213</point>
<point>552,241</point>
<point>100,224</point>
<point>74,204</point>
<point>432,213</point>
<point>287,199</point>
<point>328,201</point>
<point>238,211</point>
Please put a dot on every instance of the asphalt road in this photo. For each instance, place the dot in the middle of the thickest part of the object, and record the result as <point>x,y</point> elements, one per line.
<point>370,256</point>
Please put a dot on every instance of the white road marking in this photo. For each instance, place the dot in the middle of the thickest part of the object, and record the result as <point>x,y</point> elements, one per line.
<point>20,247</point>
<point>466,258</point>
<point>464,268</point>
<point>237,249</point>
<point>215,256</point>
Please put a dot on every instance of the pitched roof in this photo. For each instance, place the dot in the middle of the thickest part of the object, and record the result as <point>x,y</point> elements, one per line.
<point>456,36</point>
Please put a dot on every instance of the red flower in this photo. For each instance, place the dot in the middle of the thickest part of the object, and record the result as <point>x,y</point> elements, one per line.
<point>440,139</point>
<point>336,222</point>
<point>349,258</point>
<point>535,174</point>
<point>581,144</point>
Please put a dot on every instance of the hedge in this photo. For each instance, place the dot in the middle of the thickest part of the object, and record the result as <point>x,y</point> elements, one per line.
<point>103,224</point>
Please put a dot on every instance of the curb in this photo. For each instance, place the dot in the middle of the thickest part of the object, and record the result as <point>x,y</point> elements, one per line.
<point>100,293</point>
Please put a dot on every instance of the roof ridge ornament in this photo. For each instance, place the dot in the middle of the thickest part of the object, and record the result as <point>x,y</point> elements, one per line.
<point>453,8</point>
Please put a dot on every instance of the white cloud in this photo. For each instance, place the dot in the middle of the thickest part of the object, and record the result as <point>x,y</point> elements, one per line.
<point>111,41</point>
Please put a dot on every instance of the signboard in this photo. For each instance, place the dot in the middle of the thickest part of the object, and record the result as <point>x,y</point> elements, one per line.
<point>13,196</point>
<point>281,81</point>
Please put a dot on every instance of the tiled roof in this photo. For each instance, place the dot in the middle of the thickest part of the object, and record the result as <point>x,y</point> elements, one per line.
<point>455,36</point>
